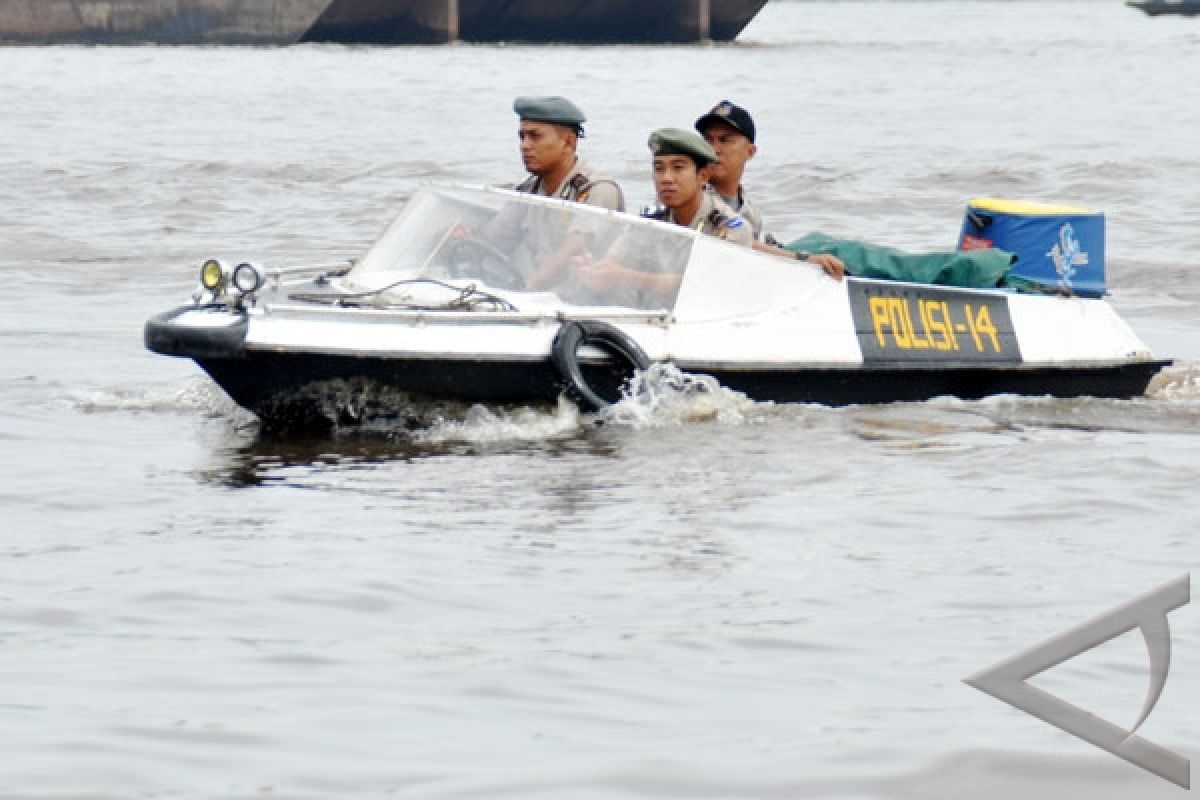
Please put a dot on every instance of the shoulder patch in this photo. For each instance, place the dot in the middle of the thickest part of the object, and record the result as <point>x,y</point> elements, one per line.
<point>734,222</point>
<point>579,182</point>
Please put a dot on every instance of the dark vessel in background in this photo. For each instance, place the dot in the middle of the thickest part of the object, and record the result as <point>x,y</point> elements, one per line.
<point>1187,8</point>
<point>283,22</point>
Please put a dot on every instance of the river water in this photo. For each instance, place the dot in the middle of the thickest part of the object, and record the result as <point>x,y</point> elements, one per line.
<point>707,598</point>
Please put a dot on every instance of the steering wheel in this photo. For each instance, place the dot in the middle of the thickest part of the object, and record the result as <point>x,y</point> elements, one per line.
<point>469,257</point>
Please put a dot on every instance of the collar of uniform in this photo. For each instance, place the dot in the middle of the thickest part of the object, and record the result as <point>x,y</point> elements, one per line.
<point>736,202</point>
<point>565,186</point>
<point>539,184</point>
<point>706,207</point>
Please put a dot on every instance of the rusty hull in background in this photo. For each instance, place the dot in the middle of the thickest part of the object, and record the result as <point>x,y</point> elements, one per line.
<point>157,21</point>
<point>281,22</point>
<point>605,21</point>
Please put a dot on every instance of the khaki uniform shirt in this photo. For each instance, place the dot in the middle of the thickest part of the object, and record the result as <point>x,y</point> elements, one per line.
<point>640,251</point>
<point>716,218</point>
<point>582,185</point>
<point>741,205</point>
<point>532,235</point>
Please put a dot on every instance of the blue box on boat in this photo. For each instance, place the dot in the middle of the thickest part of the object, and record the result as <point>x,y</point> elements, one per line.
<point>1059,249</point>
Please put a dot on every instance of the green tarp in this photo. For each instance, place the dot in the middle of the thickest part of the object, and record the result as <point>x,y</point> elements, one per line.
<point>976,269</point>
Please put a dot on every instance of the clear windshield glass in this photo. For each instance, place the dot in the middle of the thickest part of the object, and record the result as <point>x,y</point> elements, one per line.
<point>531,250</point>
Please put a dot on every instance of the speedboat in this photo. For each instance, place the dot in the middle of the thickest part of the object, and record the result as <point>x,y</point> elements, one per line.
<point>455,301</point>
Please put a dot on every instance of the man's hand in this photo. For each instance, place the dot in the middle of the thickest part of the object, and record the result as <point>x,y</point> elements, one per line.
<point>572,255</point>
<point>832,265</point>
<point>597,276</point>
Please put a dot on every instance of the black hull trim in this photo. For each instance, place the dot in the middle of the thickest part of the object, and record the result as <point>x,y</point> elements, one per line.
<point>839,387</point>
<point>285,389</point>
<point>162,334</point>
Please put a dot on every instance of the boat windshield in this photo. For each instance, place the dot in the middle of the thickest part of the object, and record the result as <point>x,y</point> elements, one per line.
<point>531,250</point>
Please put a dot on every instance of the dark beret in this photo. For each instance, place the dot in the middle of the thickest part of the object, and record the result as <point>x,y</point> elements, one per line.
<point>558,110</point>
<point>678,142</point>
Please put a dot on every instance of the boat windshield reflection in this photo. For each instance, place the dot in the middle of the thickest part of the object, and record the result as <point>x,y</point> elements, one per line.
<point>532,250</point>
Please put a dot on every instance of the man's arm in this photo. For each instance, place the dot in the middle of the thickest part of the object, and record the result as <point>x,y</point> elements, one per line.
<point>833,266</point>
<point>609,273</point>
<point>550,269</point>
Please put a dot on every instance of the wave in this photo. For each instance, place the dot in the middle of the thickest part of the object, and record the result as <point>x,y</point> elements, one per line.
<point>198,396</point>
<point>1178,384</point>
<point>663,394</point>
<point>660,396</point>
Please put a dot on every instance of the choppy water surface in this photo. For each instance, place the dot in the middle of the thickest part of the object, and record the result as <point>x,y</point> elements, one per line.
<point>700,597</point>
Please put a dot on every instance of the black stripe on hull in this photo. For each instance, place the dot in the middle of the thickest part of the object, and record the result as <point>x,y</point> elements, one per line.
<point>283,388</point>
<point>839,387</point>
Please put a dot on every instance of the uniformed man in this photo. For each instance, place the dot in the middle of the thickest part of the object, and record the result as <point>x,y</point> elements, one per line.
<point>681,166</point>
<point>729,130</point>
<point>549,131</point>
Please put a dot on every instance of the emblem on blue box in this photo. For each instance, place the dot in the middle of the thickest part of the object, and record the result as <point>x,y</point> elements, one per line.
<point>1067,254</point>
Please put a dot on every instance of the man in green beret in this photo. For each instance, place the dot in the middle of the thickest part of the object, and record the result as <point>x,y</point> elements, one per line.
<point>683,163</point>
<point>549,131</point>
<point>644,271</point>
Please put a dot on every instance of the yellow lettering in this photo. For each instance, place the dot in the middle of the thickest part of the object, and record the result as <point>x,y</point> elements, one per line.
<point>879,317</point>
<point>929,309</point>
<point>897,314</point>
<point>931,324</point>
<point>949,318</point>
<point>921,343</point>
<point>971,325</point>
<point>983,323</point>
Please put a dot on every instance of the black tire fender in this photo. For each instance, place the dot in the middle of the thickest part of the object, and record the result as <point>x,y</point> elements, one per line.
<point>565,355</point>
<point>223,339</point>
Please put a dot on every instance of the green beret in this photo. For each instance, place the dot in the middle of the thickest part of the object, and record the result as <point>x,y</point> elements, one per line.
<point>558,110</point>
<point>678,142</point>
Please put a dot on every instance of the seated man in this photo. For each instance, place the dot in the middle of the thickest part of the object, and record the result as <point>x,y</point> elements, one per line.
<point>531,239</point>
<point>730,130</point>
<point>681,166</point>
<point>549,132</point>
